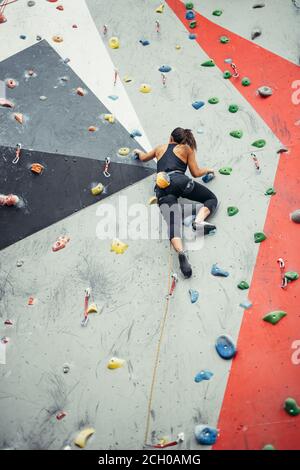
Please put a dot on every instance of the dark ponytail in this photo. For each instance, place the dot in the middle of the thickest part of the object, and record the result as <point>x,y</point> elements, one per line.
<point>184,136</point>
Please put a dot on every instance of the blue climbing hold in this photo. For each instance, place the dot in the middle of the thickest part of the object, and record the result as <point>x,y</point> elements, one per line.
<point>192,36</point>
<point>144,42</point>
<point>246,304</point>
<point>216,271</point>
<point>225,347</point>
<point>113,97</point>
<point>135,133</point>
<point>203,375</point>
<point>198,104</point>
<point>165,69</point>
<point>190,15</point>
<point>205,435</point>
<point>208,177</point>
<point>194,295</point>
<point>22,36</point>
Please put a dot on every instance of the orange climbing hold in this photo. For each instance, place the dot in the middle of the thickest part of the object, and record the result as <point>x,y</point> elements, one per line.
<point>57,38</point>
<point>6,103</point>
<point>11,83</point>
<point>37,168</point>
<point>80,91</point>
<point>60,243</point>
<point>19,118</point>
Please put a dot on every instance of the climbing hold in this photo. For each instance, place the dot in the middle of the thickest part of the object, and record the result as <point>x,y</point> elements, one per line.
<point>233,108</point>
<point>205,435</point>
<point>246,81</point>
<point>31,3</point>
<point>60,8</point>
<point>291,407</point>
<point>246,304</point>
<point>82,437</point>
<point>259,143</point>
<point>190,15</point>
<point>113,97</point>
<point>208,177</point>
<point>192,36</point>
<point>243,285</point>
<point>216,271</point>
<point>203,375</point>
<point>255,33</point>
<point>270,192</point>
<point>213,100</point>
<point>194,295</point>
<point>237,134</point>
<point>177,47</point>
<point>8,322</point>
<point>92,309</point>
<point>295,216</point>
<point>9,200</point>
<point>110,118</point>
<point>224,39</point>
<point>43,98</point>
<point>60,243</point>
<point>114,43</point>
<point>217,12</point>
<point>265,91</point>
<point>80,91</point>
<point>226,170</point>
<point>208,63</point>
<point>228,61</point>
<point>231,210</point>
<point>144,42</point>
<point>92,129</point>
<point>135,133</point>
<point>198,104</point>
<point>165,68</point>
<point>127,79</point>
<point>291,276</point>
<point>193,24</point>
<point>227,74</point>
<point>57,38</point>
<point>268,447</point>
<point>115,363</point>
<point>22,36</point>
<point>118,247</point>
<point>124,151</point>
<point>6,103</point>
<point>225,347</point>
<point>152,200</point>
<point>144,88</point>
<point>66,368</point>
<point>37,168</point>
<point>11,83</point>
<point>274,317</point>
<point>31,301</point>
<point>98,189</point>
<point>38,38</point>
<point>259,237</point>
<point>189,5</point>
<point>160,9</point>
<point>19,118</point>
<point>259,5</point>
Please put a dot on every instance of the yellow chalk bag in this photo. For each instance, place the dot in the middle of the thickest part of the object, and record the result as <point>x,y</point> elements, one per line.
<point>162,180</point>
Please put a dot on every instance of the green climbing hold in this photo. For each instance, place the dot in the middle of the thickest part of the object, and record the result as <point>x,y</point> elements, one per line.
<point>259,237</point>
<point>233,108</point>
<point>193,24</point>
<point>291,407</point>
<point>260,143</point>
<point>237,134</point>
<point>224,39</point>
<point>243,285</point>
<point>226,170</point>
<point>246,81</point>
<point>217,12</point>
<point>213,100</point>
<point>274,317</point>
<point>227,74</point>
<point>291,276</point>
<point>270,192</point>
<point>208,63</point>
<point>232,211</point>
<point>189,5</point>
<point>268,447</point>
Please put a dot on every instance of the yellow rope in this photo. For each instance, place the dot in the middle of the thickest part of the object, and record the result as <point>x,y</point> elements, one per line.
<point>162,327</point>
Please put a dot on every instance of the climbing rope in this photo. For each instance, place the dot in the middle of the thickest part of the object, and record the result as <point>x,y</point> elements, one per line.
<point>162,328</point>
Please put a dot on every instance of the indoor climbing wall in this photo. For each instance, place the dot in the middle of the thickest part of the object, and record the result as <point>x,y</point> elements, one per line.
<point>90,344</point>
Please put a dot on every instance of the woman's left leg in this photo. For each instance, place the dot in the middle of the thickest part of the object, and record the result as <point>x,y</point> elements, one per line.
<point>200,193</point>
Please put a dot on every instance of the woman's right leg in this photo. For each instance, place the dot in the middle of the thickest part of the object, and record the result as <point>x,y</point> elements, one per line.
<point>201,194</point>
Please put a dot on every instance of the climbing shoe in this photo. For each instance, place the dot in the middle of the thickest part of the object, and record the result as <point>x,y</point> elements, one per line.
<point>185,266</point>
<point>203,226</point>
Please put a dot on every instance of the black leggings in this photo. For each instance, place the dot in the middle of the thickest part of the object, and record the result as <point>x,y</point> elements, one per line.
<point>182,186</point>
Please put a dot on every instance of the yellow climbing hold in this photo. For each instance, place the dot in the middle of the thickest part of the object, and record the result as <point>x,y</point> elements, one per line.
<point>57,38</point>
<point>92,309</point>
<point>178,47</point>
<point>118,247</point>
<point>144,88</point>
<point>82,437</point>
<point>160,9</point>
<point>115,363</point>
<point>97,189</point>
<point>114,43</point>
<point>109,117</point>
<point>152,200</point>
<point>124,151</point>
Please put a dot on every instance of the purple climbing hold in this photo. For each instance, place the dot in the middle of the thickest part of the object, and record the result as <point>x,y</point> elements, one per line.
<point>198,104</point>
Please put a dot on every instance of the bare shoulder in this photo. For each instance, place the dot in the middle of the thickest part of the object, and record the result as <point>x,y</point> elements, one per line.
<point>160,150</point>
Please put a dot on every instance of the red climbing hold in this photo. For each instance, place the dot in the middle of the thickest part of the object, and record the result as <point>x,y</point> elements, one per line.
<point>60,8</point>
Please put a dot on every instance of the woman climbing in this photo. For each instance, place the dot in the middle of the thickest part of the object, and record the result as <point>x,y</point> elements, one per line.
<point>172,183</point>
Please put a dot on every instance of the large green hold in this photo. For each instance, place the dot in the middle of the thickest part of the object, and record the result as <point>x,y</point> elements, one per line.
<point>224,39</point>
<point>213,100</point>
<point>291,276</point>
<point>226,170</point>
<point>274,317</point>
<point>233,108</point>
<point>189,5</point>
<point>208,63</point>
<point>231,210</point>
<point>243,285</point>
<point>270,192</point>
<point>217,12</point>
<point>260,143</point>
<point>291,407</point>
<point>246,81</point>
<point>259,237</point>
<point>237,134</point>
<point>227,74</point>
<point>268,447</point>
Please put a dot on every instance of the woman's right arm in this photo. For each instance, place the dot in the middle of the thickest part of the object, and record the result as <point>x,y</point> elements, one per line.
<point>195,170</point>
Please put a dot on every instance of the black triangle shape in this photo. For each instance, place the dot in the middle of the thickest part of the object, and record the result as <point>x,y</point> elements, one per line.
<point>63,188</point>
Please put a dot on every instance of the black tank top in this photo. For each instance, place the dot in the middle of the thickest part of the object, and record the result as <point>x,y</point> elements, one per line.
<point>170,162</point>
